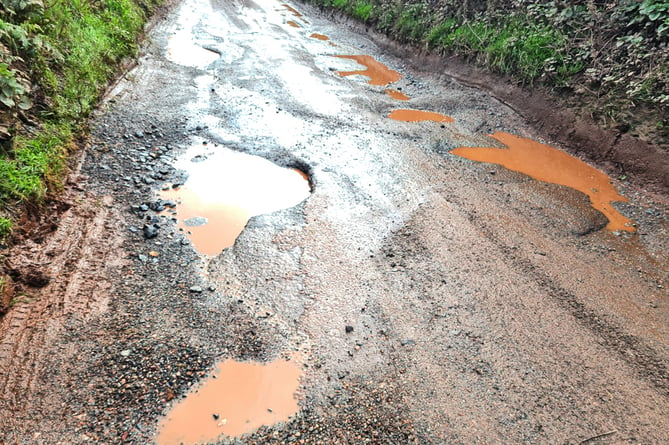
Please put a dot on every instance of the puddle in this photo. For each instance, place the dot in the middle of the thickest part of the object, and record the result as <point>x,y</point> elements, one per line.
<point>237,399</point>
<point>398,95</point>
<point>181,46</point>
<point>224,189</point>
<point>294,11</point>
<point>548,164</point>
<point>319,37</point>
<point>378,73</point>
<point>293,24</point>
<point>418,116</point>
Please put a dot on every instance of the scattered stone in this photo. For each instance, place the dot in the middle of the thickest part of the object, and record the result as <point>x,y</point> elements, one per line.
<point>150,231</point>
<point>348,329</point>
<point>143,208</point>
<point>125,352</point>
<point>139,134</point>
<point>196,289</point>
<point>408,342</point>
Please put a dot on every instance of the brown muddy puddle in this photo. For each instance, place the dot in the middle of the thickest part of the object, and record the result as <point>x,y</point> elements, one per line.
<point>293,24</point>
<point>237,398</point>
<point>225,189</point>
<point>319,37</point>
<point>419,116</point>
<point>548,164</point>
<point>294,11</point>
<point>397,95</point>
<point>378,73</point>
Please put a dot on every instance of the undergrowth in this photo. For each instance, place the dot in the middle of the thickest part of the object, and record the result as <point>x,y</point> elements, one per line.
<point>56,57</point>
<point>610,57</point>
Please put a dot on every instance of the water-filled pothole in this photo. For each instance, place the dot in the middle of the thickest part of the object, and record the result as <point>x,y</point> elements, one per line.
<point>224,189</point>
<point>294,11</point>
<point>549,164</point>
<point>418,116</point>
<point>293,23</point>
<point>237,398</point>
<point>397,95</point>
<point>319,37</point>
<point>378,73</point>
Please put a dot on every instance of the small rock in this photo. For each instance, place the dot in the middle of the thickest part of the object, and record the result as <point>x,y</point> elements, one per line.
<point>125,353</point>
<point>150,231</point>
<point>196,289</point>
<point>139,134</point>
<point>195,221</point>
<point>348,329</point>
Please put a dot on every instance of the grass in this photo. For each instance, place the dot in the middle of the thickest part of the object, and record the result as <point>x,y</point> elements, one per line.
<point>71,48</point>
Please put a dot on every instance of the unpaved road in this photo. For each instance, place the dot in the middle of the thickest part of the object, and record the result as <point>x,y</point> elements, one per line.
<point>431,299</point>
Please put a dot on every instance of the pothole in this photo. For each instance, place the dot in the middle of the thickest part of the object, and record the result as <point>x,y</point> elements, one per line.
<point>378,73</point>
<point>319,37</point>
<point>396,94</point>
<point>548,164</point>
<point>237,398</point>
<point>225,189</point>
<point>419,116</point>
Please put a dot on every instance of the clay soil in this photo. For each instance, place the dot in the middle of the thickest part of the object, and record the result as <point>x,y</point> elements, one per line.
<point>433,300</point>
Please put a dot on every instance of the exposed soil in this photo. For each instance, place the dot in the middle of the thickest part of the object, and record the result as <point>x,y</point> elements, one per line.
<point>431,299</point>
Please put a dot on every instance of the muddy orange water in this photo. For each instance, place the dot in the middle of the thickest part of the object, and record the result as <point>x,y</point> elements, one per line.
<point>378,73</point>
<point>295,12</point>
<point>238,398</point>
<point>395,94</point>
<point>319,36</point>
<point>224,189</point>
<point>418,115</point>
<point>293,24</point>
<point>549,164</point>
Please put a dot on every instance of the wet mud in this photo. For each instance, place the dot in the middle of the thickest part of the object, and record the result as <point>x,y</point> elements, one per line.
<point>377,72</point>
<point>293,24</point>
<point>548,164</point>
<point>236,399</point>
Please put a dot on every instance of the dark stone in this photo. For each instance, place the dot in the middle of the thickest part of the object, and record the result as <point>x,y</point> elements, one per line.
<point>348,329</point>
<point>150,231</point>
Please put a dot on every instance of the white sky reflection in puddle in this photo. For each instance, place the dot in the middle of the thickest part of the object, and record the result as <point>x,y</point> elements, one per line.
<point>224,189</point>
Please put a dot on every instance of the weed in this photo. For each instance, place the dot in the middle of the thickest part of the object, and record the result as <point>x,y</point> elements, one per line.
<point>362,10</point>
<point>6,226</point>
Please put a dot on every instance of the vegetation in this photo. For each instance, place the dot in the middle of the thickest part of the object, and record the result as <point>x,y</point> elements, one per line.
<point>610,58</point>
<point>56,57</point>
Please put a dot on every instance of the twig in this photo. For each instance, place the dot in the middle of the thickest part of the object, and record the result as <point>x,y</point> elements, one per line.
<point>598,436</point>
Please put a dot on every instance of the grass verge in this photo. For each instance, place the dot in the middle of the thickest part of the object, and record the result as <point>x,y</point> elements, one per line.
<point>57,58</point>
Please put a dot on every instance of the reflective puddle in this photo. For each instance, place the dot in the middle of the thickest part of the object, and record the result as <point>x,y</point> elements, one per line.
<point>395,94</point>
<point>237,399</point>
<point>224,189</point>
<point>549,164</point>
<point>182,47</point>
<point>378,73</point>
<point>294,11</point>
<point>293,24</point>
<point>319,37</point>
<point>418,116</point>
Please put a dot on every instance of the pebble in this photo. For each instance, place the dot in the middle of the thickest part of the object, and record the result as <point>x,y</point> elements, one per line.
<point>196,289</point>
<point>150,231</point>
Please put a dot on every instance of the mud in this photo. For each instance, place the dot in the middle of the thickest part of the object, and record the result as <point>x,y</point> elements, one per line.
<point>431,299</point>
